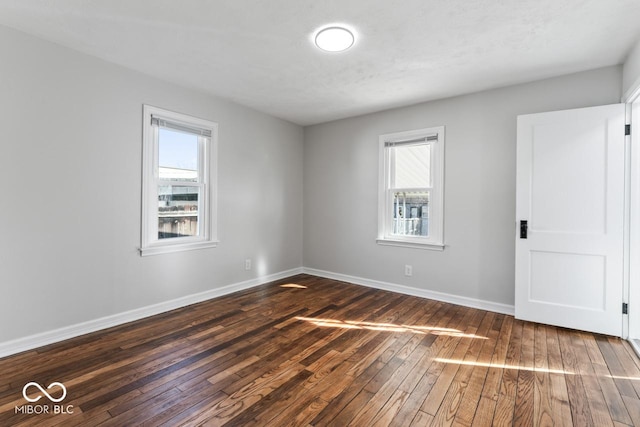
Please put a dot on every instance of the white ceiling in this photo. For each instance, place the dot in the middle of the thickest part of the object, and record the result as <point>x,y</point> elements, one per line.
<point>260,52</point>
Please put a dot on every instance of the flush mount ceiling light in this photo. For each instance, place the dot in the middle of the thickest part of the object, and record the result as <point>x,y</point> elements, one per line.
<point>334,39</point>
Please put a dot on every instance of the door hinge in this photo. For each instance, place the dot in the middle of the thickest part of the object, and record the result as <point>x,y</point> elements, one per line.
<point>627,130</point>
<point>625,308</point>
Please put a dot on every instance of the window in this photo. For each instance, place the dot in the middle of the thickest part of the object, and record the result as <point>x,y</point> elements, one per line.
<point>410,207</point>
<point>178,207</point>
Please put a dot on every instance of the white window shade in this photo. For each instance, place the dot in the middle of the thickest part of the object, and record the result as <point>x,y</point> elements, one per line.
<point>181,127</point>
<point>412,166</point>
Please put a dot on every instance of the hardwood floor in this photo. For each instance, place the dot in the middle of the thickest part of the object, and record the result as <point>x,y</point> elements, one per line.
<point>312,351</point>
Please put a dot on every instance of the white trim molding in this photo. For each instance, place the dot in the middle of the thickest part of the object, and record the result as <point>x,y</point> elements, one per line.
<point>632,270</point>
<point>635,345</point>
<point>416,292</point>
<point>45,338</point>
<point>403,244</point>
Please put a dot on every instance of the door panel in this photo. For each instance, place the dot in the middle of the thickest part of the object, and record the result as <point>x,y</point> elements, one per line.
<point>580,163</point>
<point>551,270</point>
<point>570,190</point>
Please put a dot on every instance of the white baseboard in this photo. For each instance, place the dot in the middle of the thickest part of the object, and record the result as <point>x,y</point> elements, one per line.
<point>34,341</point>
<point>422,293</point>
<point>635,345</point>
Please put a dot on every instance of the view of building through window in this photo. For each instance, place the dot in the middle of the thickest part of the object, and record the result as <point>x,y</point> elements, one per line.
<point>411,213</point>
<point>177,194</point>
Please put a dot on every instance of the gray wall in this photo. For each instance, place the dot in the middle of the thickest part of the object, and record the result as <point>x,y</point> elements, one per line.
<point>70,167</point>
<point>341,179</point>
<point>631,70</point>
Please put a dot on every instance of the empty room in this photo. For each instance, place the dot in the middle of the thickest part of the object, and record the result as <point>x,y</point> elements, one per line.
<point>334,213</point>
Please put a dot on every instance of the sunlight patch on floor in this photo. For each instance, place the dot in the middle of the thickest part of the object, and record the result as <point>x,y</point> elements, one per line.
<point>387,327</point>
<point>293,285</point>
<point>502,366</point>
<point>622,377</point>
<point>528,368</point>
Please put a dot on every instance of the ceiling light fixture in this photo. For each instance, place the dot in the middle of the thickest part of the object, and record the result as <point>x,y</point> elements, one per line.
<point>334,39</point>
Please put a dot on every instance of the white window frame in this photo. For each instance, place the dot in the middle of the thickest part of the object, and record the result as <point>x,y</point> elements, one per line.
<point>435,241</point>
<point>207,182</point>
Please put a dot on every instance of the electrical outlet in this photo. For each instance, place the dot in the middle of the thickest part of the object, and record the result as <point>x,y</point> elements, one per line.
<point>247,264</point>
<point>408,270</point>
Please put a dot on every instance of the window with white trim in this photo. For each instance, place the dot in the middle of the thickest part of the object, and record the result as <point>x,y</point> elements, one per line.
<point>411,184</point>
<point>179,191</point>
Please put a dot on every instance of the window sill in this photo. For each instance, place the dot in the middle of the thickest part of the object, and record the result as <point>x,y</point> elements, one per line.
<point>415,245</point>
<point>166,249</point>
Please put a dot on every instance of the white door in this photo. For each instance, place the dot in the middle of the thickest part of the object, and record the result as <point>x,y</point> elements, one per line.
<point>570,192</point>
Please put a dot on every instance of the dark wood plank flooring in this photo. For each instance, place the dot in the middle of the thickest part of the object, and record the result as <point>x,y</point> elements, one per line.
<point>313,351</point>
